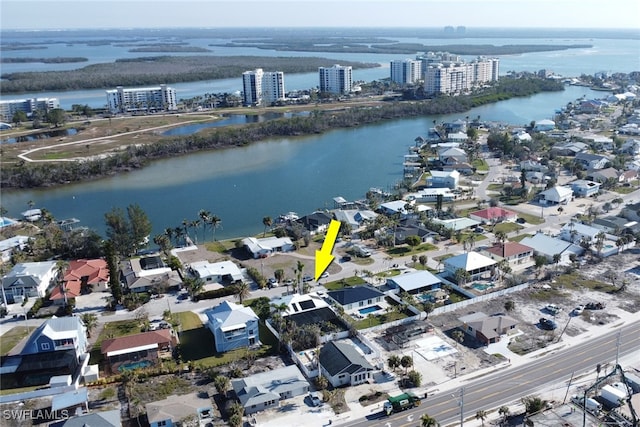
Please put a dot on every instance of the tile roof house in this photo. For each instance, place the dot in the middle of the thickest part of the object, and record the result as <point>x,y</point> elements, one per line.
<point>233,326</point>
<point>356,297</point>
<point>487,329</point>
<point>515,253</point>
<point>342,364</point>
<point>80,274</point>
<point>548,246</point>
<point>30,279</point>
<point>476,264</point>
<point>175,409</point>
<point>493,214</point>
<point>138,350</point>
<point>265,390</point>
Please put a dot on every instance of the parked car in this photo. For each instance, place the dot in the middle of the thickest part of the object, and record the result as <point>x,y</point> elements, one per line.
<point>183,296</point>
<point>315,398</point>
<point>552,309</point>
<point>478,230</point>
<point>346,258</point>
<point>307,278</point>
<point>547,324</point>
<point>521,220</point>
<point>594,306</point>
<point>388,375</point>
<point>324,275</point>
<point>578,310</point>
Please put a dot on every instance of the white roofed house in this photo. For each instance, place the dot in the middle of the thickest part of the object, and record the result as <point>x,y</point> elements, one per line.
<point>223,272</point>
<point>233,326</point>
<point>28,279</point>
<point>452,155</point>
<point>446,179</point>
<point>576,232</point>
<point>548,246</point>
<point>262,248</point>
<point>416,282</point>
<point>591,161</point>
<point>557,195</point>
<point>477,265</point>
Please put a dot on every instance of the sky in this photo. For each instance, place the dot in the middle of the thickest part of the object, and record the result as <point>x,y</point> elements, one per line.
<point>60,14</point>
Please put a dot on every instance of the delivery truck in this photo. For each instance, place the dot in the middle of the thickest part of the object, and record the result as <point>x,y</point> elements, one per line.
<point>400,403</point>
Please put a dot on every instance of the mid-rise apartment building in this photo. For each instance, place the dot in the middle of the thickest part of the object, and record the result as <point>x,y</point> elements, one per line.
<point>160,98</point>
<point>406,71</point>
<point>454,77</point>
<point>336,79</point>
<point>261,87</point>
<point>11,106</point>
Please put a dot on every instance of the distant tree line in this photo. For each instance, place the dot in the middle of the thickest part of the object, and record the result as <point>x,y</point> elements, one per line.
<point>56,60</point>
<point>27,175</point>
<point>160,69</point>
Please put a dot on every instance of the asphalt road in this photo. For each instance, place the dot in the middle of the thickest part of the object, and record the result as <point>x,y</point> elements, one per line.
<point>511,384</point>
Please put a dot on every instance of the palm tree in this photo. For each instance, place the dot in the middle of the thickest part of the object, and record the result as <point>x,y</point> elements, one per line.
<point>428,421</point>
<point>61,268</point>
<point>406,362</point>
<point>481,415</point>
<point>169,233</point>
<point>556,260</point>
<point>504,412</point>
<point>501,236</point>
<point>458,335</point>
<point>243,291</point>
<point>298,271</point>
<point>461,276</point>
<point>222,384</point>
<point>599,244</point>
<point>267,222</point>
<point>394,362</point>
<point>90,321</point>
<point>214,222</point>
<point>205,218</point>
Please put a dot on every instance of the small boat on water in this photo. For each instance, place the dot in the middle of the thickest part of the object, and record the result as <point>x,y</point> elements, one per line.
<point>287,217</point>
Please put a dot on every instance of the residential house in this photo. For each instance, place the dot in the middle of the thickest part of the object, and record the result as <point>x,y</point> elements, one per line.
<point>557,195</point>
<point>616,225</point>
<point>544,125</point>
<point>93,419</point>
<point>28,279</point>
<point>233,326</point>
<point>631,147</point>
<point>307,309</point>
<point>58,334</point>
<point>415,282</point>
<point>569,148</point>
<point>459,137</point>
<point>603,175</point>
<point>591,161</point>
<point>522,136</point>
<point>457,125</point>
<point>265,390</point>
<point>463,167</point>
<point>493,215</point>
<point>455,224</point>
<point>531,165</point>
<point>591,106</point>
<point>148,274</point>
<point>631,212</point>
<point>395,207</point>
<point>577,232</point>
<point>452,155</point>
<point>11,245</point>
<point>81,274</point>
<point>487,329</point>
<point>342,364</point>
<point>628,176</point>
<point>316,222</point>
<point>536,177</point>
<point>429,195</point>
<point>515,253</point>
<point>353,298</point>
<point>138,351</point>
<point>261,248</point>
<point>356,218</point>
<point>548,246</point>
<point>223,272</point>
<point>584,188</point>
<point>476,264</point>
<point>444,179</point>
<point>181,410</point>
<point>401,232</point>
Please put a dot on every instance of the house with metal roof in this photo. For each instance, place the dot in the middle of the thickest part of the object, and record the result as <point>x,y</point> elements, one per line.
<point>591,161</point>
<point>456,224</point>
<point>223,272</point>
<point>93,419</point>
<point>354,217</point>
<point>8,246</point>
<point>356,297</point>
<point>233,326</point>
<point>443,179</point>
<point>557,195</point>
<point>487,329</point>
<point>584,188</point>
<point>138,350</point>
<point>265,390</point>
<point>28,279</point>
<point>415,282</point>
<point>476,264</point>
<point>452,155</point>
<point>261,248</point>
<point>342,364</point>
<point>175,409</point>
<point>58,334</point>
<point>548,246</point>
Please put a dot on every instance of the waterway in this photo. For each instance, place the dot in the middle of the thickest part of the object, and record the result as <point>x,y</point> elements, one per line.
<point>243,185</point>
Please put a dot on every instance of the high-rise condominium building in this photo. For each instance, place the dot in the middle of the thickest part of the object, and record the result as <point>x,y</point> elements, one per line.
<point>336,79</point>
<point>454,77</point>
<point>11,106</point>
<point>406,71</point>
<point>261,87</point>
<point>161,98</point>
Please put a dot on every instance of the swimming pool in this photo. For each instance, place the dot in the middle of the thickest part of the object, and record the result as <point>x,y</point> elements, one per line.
<point>371,309</point>
<point>426,298</point>
<point>481,286</point>
<point>5,222</point>
<point>135,365</point>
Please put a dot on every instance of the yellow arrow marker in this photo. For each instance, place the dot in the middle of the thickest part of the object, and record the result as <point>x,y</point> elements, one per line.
<point>323,256</point>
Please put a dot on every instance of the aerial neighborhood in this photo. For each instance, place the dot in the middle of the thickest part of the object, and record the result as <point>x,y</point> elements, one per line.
<point>501,246</point>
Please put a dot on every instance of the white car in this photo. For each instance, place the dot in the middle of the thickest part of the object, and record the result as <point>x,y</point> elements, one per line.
<point>578,310</point>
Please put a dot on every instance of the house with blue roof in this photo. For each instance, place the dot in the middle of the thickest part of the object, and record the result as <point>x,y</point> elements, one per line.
<point>233,326</point>
<point>356,297</point>
<point>548,246</point>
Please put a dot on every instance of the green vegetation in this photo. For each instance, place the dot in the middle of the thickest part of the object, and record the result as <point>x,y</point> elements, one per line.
<point>546,294</point>
<point>531,219</point>
<point>349,281</point>
<point>372,320</point>
<point>507,227</point>
<point>188,320</point>
<point>169,48</point>
<point>220,246</point>
<point>110,330</point>
<point>408,250</point>
<point>575,281</point>
<point>4,391</point>
<point>12,337</point>
<point>56,60</point>
<point>519,237</point>
<point>158,70</point>
<point>480,165</point>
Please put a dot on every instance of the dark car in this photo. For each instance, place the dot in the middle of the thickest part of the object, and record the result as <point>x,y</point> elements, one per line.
<point>346,258</point>
<point>478,230</point>
<point>307,278</point>
<point>547,324</point>
<point>521,220</point>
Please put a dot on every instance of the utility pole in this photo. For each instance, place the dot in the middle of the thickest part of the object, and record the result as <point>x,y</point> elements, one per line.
<point>461,403</point>
<point>618,336</point>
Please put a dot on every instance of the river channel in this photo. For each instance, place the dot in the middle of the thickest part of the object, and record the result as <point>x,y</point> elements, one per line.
<point>243,185</point>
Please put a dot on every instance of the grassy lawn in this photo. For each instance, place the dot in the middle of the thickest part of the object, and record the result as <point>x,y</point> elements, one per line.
<point>495,187</point>
<point>547,294</point>
<point>575,281</point>
<point>12,337</point>
<point>480,165</point>
<point>408,250</point>
<point>531,219</point>
<point>189,320</point>
<point>4,391</point>
<point>113,330</point>
<point>220,246</point>
<point>361,261</point>
<point>625,190</point>
<point>369,322</point>
<point>519,237</point>
<point>388,273</point>
<point>349,281</point>
<point>443,257</point>
<point>507,227</point>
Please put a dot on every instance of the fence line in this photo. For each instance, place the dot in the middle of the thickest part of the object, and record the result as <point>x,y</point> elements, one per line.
<point>480,298</point>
